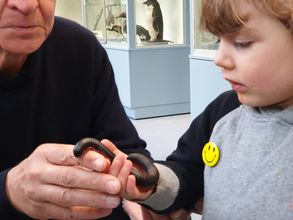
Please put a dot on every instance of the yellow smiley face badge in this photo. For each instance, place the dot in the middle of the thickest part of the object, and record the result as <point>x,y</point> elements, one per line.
<point>210,154</point>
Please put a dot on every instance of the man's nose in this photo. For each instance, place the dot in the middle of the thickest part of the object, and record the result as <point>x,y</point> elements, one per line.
<point>24,6</point>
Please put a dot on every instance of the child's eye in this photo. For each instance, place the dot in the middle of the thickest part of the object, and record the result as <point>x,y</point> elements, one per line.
<point>242,45</point>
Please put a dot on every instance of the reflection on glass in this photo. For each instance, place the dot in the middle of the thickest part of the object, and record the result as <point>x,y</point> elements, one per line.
<point>107,19</point>
<point>207,41</point>
<point>203,40</point>
<point>69,9</point>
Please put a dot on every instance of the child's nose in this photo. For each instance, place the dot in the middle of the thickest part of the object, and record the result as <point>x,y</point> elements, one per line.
<point>224,58</point>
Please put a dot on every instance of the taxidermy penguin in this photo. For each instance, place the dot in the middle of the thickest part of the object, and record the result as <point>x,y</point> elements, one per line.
<point>154,20</point>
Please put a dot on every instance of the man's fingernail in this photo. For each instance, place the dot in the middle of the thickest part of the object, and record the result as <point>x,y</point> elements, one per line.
<point>113,202</point>
<point>113,186</point>
<point>99,165</point>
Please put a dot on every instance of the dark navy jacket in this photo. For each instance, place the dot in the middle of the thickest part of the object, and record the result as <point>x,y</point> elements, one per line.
<point>64,92</point>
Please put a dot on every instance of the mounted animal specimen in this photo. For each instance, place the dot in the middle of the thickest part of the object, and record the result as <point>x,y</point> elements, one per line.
<point>140,31</point>
<point>155,24</point>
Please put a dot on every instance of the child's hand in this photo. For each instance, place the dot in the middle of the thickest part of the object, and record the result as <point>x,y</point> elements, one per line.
<point>121,168</point>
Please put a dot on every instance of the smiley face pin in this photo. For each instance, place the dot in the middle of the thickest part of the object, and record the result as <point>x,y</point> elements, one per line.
<point>210,154</point>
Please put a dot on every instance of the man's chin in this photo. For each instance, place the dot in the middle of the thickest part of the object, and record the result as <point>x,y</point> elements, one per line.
<point>22,46</point>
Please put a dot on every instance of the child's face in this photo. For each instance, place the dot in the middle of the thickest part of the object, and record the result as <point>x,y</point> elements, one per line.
<point>258,60</point>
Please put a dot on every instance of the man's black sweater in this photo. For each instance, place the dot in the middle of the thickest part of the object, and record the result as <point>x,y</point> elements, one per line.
<point>64,92</point>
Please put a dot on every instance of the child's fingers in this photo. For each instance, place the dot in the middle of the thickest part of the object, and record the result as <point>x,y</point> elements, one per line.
<point>112,147</point>
<point>136,193</point>
<point>121,169</point>
<point>131,186</point>
<point>117,165</point>
<point>124,176</point>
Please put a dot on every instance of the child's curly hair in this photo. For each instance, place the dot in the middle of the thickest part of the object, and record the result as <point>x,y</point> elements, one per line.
<point>222,17</point>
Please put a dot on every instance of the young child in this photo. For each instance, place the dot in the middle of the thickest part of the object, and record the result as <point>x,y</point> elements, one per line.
<point>249,157</point>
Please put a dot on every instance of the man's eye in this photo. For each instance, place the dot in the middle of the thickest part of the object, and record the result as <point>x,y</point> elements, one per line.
<point>242,44</point>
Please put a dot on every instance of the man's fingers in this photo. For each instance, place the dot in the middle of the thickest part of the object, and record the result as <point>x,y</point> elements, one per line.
<point>51,211</point>
<point>68,197</point>
<point>93,160</point>
<point>59,154</point>
<point>62,154</point>
<point>77,177</point>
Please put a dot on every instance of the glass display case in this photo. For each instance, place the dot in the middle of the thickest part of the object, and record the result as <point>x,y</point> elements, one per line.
<point>122,21</point>
<point>71,9</point>
<point>206,81</point>
<point>149,54</point>
<point>130,23</point>
<point>106,18</point>
<point>203,43</point>
<point>151,68</point>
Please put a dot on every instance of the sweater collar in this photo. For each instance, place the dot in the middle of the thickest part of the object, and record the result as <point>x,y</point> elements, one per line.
<point>272,112</point>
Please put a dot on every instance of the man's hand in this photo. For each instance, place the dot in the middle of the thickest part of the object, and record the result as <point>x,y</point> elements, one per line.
<point>52,184</point>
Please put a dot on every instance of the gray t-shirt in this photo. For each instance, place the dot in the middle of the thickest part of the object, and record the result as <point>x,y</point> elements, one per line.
<point>253,179</point>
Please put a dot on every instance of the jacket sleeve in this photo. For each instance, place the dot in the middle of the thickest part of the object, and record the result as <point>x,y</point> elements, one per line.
<point>4,203</point>
<point>186,161</point>
<point>6,209</point>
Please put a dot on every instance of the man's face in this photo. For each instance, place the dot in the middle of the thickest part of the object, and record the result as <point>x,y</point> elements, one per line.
<point>25,24</point>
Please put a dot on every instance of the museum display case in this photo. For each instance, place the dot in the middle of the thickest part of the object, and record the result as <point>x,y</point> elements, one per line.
<point>203,44</point>
<point>71,9</point>
<point>206,81</point>
<point>151,65</point>
<point>104,18</point>
<point>148,44</point>
<point>109,20</point>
